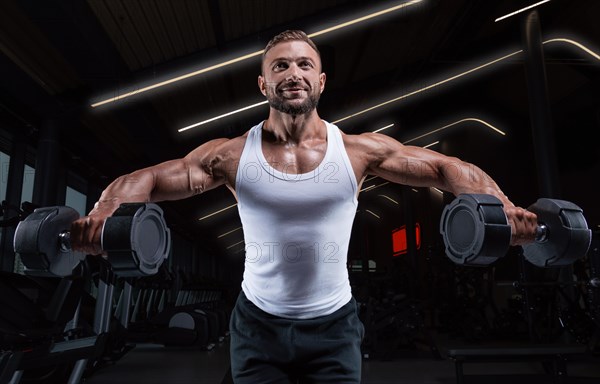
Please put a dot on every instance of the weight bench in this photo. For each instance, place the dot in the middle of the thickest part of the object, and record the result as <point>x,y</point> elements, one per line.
<point>556,353</point>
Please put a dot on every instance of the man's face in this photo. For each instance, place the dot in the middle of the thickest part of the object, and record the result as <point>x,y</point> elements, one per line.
<point>292,80</point>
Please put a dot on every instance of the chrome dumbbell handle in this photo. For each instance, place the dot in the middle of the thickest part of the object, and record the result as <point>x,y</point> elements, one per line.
<point>541,233</point>
<point>64,240</point>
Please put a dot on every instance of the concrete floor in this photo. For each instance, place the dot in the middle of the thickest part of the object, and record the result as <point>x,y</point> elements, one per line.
<point>154,364</point>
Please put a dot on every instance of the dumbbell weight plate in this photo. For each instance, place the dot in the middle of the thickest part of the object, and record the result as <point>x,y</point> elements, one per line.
<point>475,230</point>
<point>37,242</point>
<point>568,237</point>
<point>136,239</point>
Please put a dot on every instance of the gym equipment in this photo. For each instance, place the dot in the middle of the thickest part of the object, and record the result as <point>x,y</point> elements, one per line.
<point>563,235</point>
<point>187,328</point>
<point>65,355</point>
<point>135,238</point>
<point>558,354</point>
<point>9,361</point>
<point>42,243</point>
<point>476,232</point>
<point>39,326</point>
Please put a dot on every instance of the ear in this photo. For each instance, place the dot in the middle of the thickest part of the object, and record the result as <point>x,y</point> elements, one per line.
<point>322,78</point>
<point>261,85</point>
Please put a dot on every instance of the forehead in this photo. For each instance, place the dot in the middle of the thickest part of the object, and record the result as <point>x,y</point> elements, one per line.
<point>291,50</point>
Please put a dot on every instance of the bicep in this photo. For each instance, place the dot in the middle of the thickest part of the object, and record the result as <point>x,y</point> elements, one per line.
<point>188,176</point>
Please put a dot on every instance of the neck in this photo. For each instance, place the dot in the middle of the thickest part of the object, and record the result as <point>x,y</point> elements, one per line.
<point>293,128</point>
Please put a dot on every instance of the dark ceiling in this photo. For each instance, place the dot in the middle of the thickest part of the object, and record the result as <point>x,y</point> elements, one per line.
<point>60,56</point>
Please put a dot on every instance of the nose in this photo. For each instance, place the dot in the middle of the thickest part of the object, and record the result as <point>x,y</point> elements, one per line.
<point>293,73</point>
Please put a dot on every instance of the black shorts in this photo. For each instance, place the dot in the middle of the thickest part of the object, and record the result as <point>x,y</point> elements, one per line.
<point>271,349</point>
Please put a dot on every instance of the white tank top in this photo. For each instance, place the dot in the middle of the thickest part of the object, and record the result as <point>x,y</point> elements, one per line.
<point>297,230</point>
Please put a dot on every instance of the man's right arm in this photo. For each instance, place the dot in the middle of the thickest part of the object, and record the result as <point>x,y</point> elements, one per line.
<point>202,169</point>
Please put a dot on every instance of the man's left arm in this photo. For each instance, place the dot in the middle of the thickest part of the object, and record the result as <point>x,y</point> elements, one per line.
<point>420,167</point>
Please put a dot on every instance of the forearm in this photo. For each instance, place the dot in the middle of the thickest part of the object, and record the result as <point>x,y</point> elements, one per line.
<point>134,187</point>
<point>474,180</point>
<point>461,177</point>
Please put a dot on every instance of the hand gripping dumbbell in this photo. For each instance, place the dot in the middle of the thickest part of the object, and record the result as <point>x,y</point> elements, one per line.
<point>135,238</point>
<point>476,232</point>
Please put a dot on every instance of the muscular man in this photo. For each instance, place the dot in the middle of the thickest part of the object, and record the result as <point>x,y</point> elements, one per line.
<point>296,179</point>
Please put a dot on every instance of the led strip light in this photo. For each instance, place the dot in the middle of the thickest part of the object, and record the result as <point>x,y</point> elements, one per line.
<point>250,55</point>
<point>405,96</point>
<point>520,10</point>
<point>456,123</point>
<point>431,145</point>
<point>219,211</point>
<point>228,233</point>
<point>374,214</point>
<point>390,199</point>
<point>579,45</point>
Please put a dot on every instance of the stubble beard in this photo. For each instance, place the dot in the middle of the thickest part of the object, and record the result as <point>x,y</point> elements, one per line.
<point>283,105</point>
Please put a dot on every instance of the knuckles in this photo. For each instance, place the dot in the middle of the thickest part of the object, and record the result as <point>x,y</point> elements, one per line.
<point>85,235</point>
<point>524,225</point>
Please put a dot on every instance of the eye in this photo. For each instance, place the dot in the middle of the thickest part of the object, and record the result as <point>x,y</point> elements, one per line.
<point>280,66</point>
<point>306,63</point>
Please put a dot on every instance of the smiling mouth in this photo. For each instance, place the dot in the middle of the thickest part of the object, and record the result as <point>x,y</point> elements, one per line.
<point>293,93</point>
<point>293,89</point>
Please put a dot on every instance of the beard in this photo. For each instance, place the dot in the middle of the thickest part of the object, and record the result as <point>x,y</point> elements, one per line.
<point>278,102</point>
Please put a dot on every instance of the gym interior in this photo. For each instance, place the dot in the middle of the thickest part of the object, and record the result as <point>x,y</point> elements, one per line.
<point>95,89</point>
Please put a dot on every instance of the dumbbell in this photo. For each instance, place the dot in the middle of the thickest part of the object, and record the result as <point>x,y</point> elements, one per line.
<point>135,238</point>
<point>476,232</point>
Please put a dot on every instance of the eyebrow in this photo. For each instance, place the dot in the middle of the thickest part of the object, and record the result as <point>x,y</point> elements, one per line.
<point>290,59</point>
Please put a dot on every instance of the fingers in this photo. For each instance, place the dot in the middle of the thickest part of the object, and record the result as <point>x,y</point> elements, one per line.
<point>524,225</point>
<point>86,235</point>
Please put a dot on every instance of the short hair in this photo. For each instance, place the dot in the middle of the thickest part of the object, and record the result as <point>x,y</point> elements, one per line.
<point>290,35</point>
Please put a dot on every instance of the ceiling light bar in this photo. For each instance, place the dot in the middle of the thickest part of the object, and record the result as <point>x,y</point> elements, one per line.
<point>364,18</point>
<point>251,55</point>
<point>432,144</point>
<point>219,211</point>
<point>367,188</point>
<point>587,50</point>
<point>437,190</point>
<point>176,79</point>
<point>373,187</point>
<point>563,40</point>
<point>575,43</point>
<point>228,233</point>
<point>375,106</point>
<point>520,10</point>
<point>381,129</point>
<point>371,212</point>
<point>233,245</point>
<point>221,116</point>
<point>390,199</point>
<point>243,248</point>
<point>453,124</point>
<point>405,96</point>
